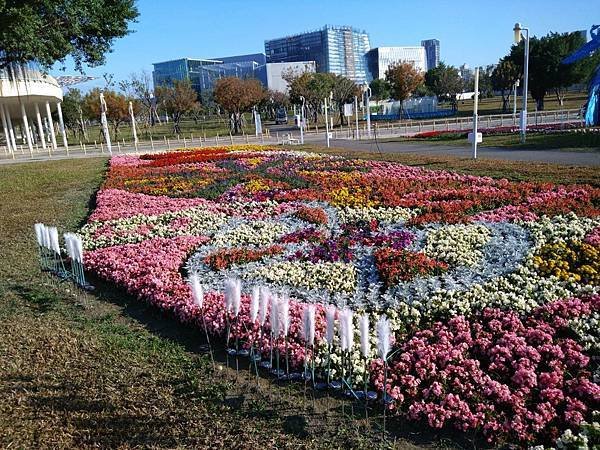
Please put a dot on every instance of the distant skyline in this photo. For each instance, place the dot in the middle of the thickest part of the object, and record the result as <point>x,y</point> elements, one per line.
<point>475,33</point>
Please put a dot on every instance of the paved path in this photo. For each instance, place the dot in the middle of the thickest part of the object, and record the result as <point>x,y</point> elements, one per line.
<point>575,158</point>
<point>571,158</point>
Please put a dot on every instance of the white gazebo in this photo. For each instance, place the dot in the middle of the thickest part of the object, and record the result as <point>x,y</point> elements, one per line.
<point>27,99</point>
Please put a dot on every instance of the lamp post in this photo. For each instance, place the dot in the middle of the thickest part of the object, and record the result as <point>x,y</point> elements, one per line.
<point>367,93</point>
<point>475,107</point>
<point>515,86</point>
<point>302,120</point>
<point>326,119</point>
<point>519,29</point>
<point>356,115</point>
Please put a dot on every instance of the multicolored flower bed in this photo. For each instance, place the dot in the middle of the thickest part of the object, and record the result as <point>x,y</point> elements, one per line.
<point>491,287</point>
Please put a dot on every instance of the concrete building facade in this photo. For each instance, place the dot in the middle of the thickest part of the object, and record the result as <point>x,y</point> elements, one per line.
<point>380,58</point>
<point>271,75</point>
<point>28,99</point>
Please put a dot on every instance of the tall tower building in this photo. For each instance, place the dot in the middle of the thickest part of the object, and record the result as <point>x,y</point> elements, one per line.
<point>432,50</point>
<point>339,50</point>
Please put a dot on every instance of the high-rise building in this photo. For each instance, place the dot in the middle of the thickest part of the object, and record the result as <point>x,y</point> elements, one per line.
<point>203,73</point>
<point>432,50</point>
<point>339,50</point>
<point>380,58</point>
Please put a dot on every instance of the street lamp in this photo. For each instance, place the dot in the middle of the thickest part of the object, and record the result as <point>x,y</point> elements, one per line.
<point>515,86</point>
<point>327,119</point>
<point>302,119</point>
<point>519,29</point>
<point>367,92</point>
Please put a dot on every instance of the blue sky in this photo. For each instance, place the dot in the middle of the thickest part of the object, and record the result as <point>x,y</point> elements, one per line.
<point>476,33</point>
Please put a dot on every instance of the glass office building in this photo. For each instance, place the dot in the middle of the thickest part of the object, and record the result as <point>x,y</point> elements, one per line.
<point>432,50</point>
<point>203,73</point>
<point>339,50</point>
<point>380,58</point>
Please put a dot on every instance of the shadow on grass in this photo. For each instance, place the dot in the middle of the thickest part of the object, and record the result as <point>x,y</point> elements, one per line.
<point>254,405</point>
<point>41,300</point>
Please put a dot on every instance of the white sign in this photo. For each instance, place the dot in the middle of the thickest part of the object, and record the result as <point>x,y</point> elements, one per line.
<point>523,119</point>
<point>479,138</point>
<point>348,110</point>
<point>258,124</point>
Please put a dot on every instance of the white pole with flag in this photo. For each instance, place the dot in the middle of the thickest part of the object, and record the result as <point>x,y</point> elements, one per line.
<point>104,122</point>
<point>475,107</point>
<point>133,130</point>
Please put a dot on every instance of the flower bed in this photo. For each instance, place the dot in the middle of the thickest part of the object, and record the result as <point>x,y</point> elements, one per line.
<point>490,287</point>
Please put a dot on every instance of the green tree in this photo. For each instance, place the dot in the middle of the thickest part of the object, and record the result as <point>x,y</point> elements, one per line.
<point>380,89</point>
<point>237,96</point>
<point>314,87</point>
<point>546,71</point>
<point>503,78</point>
<point>272,101</point>
<point>178,100</point>
<point>73,112</point>
<point>445,82</point>
<point>404,78</point>
<point>485,82</point>
<point>423,91</point>
<point>48,31</point>
<point>344,90</point>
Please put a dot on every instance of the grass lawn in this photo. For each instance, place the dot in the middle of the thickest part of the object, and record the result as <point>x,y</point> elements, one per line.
<point>109,371</point>
<point>493,105</point>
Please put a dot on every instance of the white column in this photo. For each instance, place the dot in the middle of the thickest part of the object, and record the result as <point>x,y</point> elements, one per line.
<point>61,125</point>
<point>25,128</point>
<point>5,128</point>
<point>40,126</point>
<point>51,126</point>
<point>103,121</point>
<point>133,130</point>
<point>11,130</point>
<point>475,107</point>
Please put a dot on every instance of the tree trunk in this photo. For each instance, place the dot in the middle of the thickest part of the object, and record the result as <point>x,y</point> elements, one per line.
<point>235,123</point>
<point>342,116</point>
<point>540,103</point>
<point>176,119</point>
<point>505,100</point>
<point>560,97</point>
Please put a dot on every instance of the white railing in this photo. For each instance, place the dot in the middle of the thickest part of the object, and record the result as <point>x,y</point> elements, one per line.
<point>163,144</point>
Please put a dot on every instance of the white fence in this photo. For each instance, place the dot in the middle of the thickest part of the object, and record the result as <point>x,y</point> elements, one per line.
<point>314,135</point>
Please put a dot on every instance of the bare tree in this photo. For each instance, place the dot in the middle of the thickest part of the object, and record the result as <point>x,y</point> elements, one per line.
<point>139,87</point>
